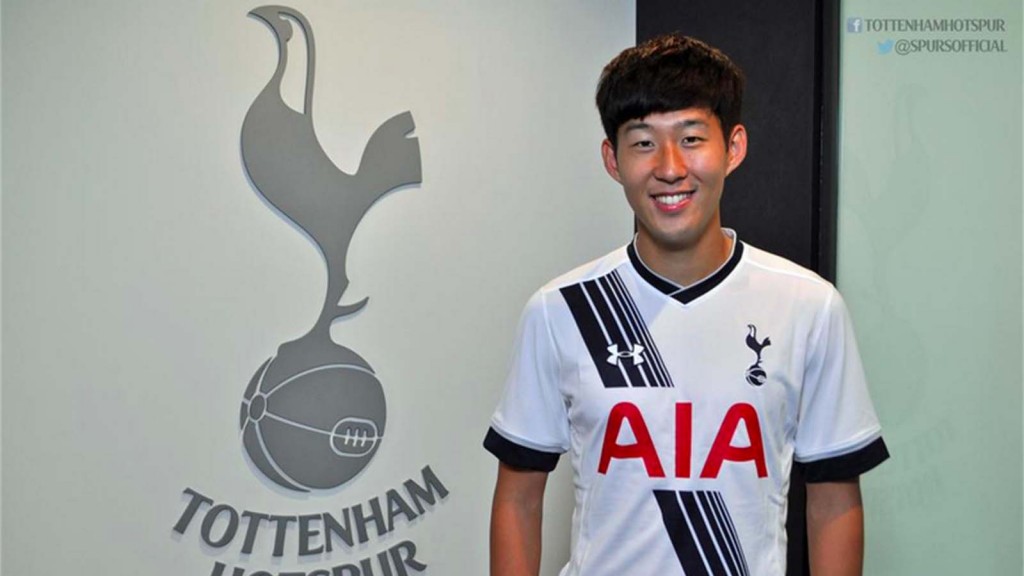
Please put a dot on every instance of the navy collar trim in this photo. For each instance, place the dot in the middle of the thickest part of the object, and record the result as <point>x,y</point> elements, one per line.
<point>690,293</point>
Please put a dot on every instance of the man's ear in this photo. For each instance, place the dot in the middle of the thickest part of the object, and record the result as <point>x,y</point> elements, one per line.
<point>611,163</point>
<point>736,148</point>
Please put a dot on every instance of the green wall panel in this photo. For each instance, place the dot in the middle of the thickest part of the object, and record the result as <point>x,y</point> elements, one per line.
<point>930,261</point>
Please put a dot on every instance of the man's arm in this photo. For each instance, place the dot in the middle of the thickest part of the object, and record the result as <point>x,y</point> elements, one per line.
<point>516,521</point>
<point>835,528</point>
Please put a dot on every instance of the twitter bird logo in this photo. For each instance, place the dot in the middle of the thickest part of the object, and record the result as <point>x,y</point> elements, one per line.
<point>885,47</point>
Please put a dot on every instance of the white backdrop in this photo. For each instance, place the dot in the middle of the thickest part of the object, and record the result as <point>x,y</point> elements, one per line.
<point>144,279</point>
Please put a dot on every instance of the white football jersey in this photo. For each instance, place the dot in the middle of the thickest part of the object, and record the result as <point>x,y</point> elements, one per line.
<point>684,409</point>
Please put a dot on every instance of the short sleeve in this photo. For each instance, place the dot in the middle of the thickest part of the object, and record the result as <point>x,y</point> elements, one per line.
<point>838,435</point>
<point>530,427</point>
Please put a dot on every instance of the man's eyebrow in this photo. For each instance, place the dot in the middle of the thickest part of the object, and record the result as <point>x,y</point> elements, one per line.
<point>641,125</point>
<point>636,125</point>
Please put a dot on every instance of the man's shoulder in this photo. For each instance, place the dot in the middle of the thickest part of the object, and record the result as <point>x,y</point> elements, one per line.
<point>779,270</point>
<point>773,278</point>
<point>546,300</point>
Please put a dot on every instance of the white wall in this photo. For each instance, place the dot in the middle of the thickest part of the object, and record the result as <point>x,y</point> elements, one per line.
<point>144,280</point>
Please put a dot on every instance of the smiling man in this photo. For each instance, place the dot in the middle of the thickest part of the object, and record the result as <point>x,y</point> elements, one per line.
<point>687,372</point>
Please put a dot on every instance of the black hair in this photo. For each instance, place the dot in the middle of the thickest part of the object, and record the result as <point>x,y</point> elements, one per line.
<point>670,72</point>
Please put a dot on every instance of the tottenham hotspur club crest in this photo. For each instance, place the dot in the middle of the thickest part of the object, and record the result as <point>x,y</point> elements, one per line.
<point>313,414</point>
<point>755,374</point>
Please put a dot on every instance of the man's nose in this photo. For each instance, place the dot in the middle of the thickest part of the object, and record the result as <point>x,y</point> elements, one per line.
<point>671,164</point>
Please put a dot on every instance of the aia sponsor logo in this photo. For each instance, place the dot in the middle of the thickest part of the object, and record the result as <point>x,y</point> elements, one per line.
<point>725,448</point>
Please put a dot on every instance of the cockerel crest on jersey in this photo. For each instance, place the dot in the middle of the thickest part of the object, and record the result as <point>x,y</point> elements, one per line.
<point>756,375</point>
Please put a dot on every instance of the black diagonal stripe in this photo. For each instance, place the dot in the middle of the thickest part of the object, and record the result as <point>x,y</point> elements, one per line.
<point>703,533</point>
<point>731,530</point>
<point>630,332</point>
<point>657,364</point>
<point>593,337</point>
<point>722,535</point>
<point>609,318</point>
<point>723,512</point>
<point>679,534</point>
<point>725,548</point>
<point>634,330</point>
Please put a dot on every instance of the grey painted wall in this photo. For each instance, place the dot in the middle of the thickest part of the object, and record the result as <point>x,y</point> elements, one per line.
<point>145,279</point>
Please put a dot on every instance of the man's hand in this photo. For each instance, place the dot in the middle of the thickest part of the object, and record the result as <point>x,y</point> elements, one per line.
<point>835,528</point>
<point>516,521</point>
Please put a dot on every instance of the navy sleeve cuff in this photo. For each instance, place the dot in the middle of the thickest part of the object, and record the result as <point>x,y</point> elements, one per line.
<point>519,456</point>
<point>847,466</point>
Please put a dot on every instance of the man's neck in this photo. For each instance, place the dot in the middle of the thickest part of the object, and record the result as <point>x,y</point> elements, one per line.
<point>686,266</point>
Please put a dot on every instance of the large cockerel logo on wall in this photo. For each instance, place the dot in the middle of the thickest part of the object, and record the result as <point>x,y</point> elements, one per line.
<point>314,414</point>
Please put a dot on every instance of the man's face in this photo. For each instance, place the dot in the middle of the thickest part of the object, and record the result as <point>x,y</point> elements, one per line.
<point>672,166</point>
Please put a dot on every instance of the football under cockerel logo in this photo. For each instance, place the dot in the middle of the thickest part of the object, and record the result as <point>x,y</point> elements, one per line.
<point>314,414</point>
<point>756,375</point>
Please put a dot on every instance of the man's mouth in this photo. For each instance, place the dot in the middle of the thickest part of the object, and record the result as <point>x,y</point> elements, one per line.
<point>672,200</point>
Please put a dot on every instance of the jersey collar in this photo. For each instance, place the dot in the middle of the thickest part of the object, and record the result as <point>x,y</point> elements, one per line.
<point>687,294</point>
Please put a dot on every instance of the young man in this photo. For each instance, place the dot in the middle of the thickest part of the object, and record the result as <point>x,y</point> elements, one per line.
<point>685,372</point>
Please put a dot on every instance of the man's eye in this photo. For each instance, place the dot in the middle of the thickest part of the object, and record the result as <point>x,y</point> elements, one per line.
<point>691,140</point>
<point>643,144</point>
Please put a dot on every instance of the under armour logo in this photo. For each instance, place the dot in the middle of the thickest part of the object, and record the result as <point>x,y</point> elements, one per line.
<point>614,354</point>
